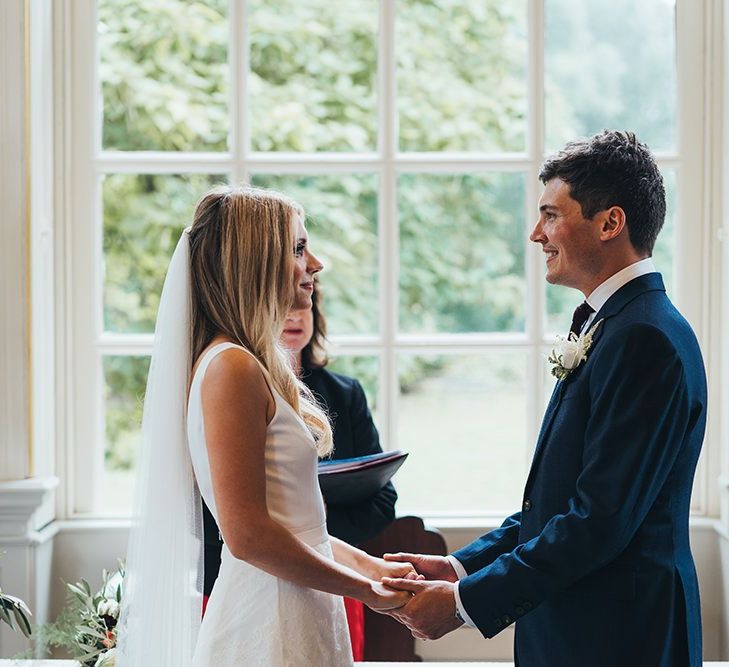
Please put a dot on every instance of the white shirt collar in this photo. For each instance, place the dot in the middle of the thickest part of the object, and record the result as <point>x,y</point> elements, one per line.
<point>599,296</point>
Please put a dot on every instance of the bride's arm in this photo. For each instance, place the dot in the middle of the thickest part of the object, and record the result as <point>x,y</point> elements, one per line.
<point>237,404</point>
<point>367,565</point>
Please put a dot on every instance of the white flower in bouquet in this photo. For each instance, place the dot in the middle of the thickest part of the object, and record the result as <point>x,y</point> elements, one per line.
<point>86,627</point>
<point>108,608</point>
<point>107,659</point>
<point>113,583</point>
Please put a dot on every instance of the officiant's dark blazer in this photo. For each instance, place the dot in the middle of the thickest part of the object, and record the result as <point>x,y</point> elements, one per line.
<point>355,434</point>
<point>596,569</point>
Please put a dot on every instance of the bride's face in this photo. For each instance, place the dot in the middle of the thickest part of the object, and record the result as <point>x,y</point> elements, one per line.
<point>306,266</point>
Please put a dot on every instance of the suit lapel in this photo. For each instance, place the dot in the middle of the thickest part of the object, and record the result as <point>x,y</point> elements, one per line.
<point>645,283</point>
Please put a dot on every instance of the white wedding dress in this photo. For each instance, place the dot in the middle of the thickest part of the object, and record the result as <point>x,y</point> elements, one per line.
<point>252,617</point>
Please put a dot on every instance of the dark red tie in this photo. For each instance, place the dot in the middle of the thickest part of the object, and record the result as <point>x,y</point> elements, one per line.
<point>582,312</point>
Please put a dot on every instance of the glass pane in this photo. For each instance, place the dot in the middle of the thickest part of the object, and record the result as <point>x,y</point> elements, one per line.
<point>463,420</point>
<point>365,369</point>
<point>610,64</point>
<point>125,381</point>
<point>313,75</point>
<point>341,218</point>
<point>462,242</point>
<point>549,381</point>
<point>144,215</point>
<point>462,75</point>
<point>664,252</point>
<point>562,301</point>
<point>164,75</point>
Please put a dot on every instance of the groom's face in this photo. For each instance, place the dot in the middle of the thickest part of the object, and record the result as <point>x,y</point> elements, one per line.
<point>570,242</point>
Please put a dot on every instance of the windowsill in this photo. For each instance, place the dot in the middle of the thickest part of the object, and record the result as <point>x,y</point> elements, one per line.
<point>449,524</point>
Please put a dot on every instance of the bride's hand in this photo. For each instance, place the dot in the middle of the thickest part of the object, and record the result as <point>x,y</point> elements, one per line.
<point>383,599</point>
<point>378,568</point>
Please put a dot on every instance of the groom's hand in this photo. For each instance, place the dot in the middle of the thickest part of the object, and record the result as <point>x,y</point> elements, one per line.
<point>431,613</point>
<point>433,568</point>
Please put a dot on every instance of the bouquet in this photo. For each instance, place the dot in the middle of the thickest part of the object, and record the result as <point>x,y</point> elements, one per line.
<point>86,627</point>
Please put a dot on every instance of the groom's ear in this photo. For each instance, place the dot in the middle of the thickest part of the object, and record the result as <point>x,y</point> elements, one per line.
<point>612,223</point>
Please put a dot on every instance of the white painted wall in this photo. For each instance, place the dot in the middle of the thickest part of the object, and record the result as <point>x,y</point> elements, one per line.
<point>14,317</point>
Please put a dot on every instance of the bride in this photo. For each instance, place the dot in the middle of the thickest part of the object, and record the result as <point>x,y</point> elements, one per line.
<point>226,418</point>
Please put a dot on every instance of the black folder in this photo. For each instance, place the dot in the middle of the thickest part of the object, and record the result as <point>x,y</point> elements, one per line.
<point>349,481</point>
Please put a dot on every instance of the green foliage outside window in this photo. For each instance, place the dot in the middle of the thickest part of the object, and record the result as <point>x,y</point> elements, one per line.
<point>164,75</point>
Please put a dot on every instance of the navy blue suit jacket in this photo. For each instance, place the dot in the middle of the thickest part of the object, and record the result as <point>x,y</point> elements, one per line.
<point>596,569</point>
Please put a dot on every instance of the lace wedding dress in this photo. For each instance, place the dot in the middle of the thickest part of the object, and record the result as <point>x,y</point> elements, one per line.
<point>252,617</point>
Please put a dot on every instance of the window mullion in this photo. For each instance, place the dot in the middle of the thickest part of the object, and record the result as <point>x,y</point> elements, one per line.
<point>85,409</point>
<point>692,212</point>
<point>137,162</point>
<point>536,293</point>
<point>387,231</point>
<point>239,63</point>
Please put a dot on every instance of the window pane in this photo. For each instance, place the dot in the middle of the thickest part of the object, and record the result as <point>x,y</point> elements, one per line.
<point>604,70</point>
<point>549,381</point>
<point>664,252</point>
<point>462,75</point>
<point>561,301</point>
<point>164,75</point>
<point>341,218</point>
<point>365,369</point>
<point>313,75</point>
<point>462,242</point>
<point>125,381</point>
<point>144,215</point>
<point>463,420</point>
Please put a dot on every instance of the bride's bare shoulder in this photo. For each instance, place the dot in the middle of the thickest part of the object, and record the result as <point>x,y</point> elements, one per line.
<point>234,376</point>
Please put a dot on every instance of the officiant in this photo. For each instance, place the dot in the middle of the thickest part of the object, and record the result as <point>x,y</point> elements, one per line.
<point>355,434</point>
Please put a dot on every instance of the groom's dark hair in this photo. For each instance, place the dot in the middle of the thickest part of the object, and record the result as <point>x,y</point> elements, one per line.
<point>614,169</point>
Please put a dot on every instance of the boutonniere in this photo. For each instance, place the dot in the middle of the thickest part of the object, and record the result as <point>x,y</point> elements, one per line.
<point>571,351</point>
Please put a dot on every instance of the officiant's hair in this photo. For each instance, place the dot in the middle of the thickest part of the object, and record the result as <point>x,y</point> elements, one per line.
<point>242,246</point>
<point>613,168</point>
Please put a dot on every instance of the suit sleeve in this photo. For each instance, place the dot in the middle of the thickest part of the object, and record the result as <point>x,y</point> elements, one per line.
<point>640,412</point>
<point>487,548</point>
<point>357,523</point>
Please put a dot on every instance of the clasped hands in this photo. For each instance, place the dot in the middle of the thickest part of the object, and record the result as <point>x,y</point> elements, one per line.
<point>430,612</point>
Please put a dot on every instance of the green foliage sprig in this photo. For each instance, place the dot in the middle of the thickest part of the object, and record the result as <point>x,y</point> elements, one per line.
<point>87,626</point>
<point>15,613</point>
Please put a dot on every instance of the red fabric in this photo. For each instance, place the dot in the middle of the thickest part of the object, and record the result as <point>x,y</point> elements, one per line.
<point>205,604</point>
<point>355,620</point>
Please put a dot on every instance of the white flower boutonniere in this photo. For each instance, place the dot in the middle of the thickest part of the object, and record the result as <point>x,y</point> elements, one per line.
<point>571,351</point>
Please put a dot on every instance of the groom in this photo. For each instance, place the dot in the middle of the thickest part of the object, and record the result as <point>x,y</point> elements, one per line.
<point>596,568</point>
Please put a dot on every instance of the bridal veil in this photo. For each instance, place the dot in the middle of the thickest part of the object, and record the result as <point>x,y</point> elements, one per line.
<point>162,601</point>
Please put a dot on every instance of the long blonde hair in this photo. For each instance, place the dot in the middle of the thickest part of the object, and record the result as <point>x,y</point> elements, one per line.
<point>241,264</point>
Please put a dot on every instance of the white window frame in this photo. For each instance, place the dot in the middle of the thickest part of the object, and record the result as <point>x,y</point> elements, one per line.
<point>81,164</point>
